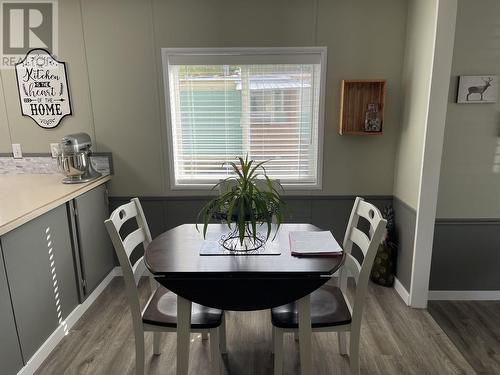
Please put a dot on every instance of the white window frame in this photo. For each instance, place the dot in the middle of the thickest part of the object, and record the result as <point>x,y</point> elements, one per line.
<point>167,52</point>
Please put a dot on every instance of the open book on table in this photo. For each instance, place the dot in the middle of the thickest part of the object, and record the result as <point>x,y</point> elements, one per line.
<point>313,244</point>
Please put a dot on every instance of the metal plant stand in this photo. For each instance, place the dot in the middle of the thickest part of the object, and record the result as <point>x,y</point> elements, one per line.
<point>232,241</point>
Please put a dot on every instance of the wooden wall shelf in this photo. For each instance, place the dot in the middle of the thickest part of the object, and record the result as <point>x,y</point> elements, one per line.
<point>355,95</point>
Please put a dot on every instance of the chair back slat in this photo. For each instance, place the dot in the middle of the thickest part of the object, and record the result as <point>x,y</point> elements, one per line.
<point>122,214</point>
<point>367,211</point>
<point>360,239</point>
<point>123,248</point>
<point>368,245</point>
<point>133,240</point>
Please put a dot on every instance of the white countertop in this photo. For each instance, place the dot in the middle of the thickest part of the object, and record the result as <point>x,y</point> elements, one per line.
<point>26,196</point>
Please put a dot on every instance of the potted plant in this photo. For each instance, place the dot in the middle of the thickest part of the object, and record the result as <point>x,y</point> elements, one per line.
<point>384,265</point>
<point>249,201</point>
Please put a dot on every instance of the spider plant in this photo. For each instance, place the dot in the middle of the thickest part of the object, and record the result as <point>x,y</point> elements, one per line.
<point>245,202</point>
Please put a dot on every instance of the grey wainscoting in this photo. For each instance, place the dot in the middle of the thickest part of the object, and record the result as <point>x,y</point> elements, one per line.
<point>466,255</point>
<point>326,212</point>
<point>405,217</point>
<point>163,213</point>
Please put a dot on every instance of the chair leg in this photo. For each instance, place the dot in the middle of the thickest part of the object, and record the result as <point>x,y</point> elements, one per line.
<point>342,336</point>
<point>204,336</point>
<point>139,353</point>
<point>183,334</point>
<point>305,334</point>
<point>354,352</point>
<point>273,339</point>
<point>215,351</point>
<point>156,343</point>
<point>278,351</point>
<point>222,335</point>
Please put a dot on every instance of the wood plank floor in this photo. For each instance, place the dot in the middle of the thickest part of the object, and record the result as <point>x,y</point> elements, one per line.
<point>395,340</point>
<point>473,326</point>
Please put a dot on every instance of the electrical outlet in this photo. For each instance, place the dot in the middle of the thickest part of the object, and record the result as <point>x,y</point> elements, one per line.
<point>16,151</point>
<point>54,149</point>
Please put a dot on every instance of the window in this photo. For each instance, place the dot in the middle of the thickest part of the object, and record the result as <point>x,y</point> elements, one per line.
<point>266,103</point>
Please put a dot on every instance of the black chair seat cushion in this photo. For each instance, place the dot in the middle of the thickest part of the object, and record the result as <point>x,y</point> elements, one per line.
<point>328,308</point>
<point>162,311</point>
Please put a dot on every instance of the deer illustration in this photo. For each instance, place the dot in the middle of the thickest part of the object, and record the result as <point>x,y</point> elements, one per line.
<point>479,89</point>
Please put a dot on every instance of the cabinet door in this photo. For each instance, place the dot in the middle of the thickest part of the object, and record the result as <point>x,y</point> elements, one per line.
<point>10,352</point>
<point>96,250</point>
<point>41,273</point>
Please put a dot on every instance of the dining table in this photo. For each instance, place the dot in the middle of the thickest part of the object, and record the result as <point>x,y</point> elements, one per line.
<point>238,282</point>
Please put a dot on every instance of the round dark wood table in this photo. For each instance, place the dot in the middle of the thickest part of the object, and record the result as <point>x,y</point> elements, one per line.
<point>236,282</point>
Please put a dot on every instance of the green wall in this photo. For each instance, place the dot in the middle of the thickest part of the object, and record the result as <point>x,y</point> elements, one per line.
<point>112,49</point>
<point>416,78</point>
<point>469,185</point>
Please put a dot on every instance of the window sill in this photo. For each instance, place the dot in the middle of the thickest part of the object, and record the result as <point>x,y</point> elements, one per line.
<point>206,187</point>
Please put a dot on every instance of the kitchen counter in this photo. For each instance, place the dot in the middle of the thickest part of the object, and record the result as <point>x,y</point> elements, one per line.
<point>27,196</point>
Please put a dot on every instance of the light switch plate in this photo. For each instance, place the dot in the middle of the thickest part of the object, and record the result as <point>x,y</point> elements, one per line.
<point>54,149</point>
<point>16,151</point>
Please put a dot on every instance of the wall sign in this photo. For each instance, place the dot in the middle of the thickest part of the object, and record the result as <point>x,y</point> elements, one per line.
<point>43,88</point>
<point>477,89</point>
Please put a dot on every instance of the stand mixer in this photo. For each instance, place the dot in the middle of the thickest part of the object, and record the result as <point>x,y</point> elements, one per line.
<point>74,159</point>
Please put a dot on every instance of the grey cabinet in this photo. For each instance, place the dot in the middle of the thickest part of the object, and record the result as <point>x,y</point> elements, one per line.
<point>95,248</point>
<point>48,266</point>
<point>40,267</point>
<point>10,352</point>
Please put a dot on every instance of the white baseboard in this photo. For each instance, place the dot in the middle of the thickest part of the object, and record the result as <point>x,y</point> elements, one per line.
<point>401,290</point>
<point>43,352</point>
<point>464,295</point>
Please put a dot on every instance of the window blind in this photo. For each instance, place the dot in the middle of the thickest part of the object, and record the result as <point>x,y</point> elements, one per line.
<point>268,111</point>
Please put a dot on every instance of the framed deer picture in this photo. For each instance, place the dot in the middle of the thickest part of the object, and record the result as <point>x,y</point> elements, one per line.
<point>477,89</point>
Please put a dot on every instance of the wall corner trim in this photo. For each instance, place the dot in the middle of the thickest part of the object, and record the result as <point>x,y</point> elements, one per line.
<point>464,295</point>
<point>401,290</point>
<point>444,21</point>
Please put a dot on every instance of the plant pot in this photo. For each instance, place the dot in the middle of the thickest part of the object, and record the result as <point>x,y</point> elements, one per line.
<point>383,267</point>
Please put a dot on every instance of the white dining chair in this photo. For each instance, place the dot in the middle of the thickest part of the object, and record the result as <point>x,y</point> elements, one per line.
<point>160,312</point>
<point>331,310</point>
